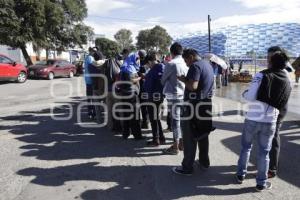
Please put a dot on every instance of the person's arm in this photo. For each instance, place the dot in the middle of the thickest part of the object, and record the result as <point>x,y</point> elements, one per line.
<point>191,81</point>
<point>251,93</point>
<point>167,73</point>
<point>190,84</point>
<point>89,60</point>
<point>134,79</point>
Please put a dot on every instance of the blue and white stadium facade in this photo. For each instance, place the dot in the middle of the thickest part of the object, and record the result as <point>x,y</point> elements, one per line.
<point>237,41</point>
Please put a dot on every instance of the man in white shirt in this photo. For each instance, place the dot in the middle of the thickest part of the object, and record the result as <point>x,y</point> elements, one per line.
<point>267,94</point>
<point>174,93</point>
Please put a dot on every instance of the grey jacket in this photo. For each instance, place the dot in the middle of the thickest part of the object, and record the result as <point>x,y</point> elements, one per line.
<point>173,88</point>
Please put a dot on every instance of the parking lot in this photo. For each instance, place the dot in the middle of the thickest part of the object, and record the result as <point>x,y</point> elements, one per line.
<point>44,157</point>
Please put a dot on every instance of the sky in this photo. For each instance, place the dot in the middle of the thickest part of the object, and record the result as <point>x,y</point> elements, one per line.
<point>182,17</point>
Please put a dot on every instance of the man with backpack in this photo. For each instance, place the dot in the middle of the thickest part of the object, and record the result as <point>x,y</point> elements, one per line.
<point>267,94</point>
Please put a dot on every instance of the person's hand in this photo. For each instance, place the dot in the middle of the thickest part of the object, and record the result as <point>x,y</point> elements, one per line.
<point>142,76</point>
<point>182,78</point>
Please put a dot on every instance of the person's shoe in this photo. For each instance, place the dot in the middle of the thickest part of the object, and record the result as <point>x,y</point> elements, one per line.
<point>171,151</point>
<point>272,173</point>
<point>204,165</point>
<point>240,179</point>
<point>91,116</point>
<point>168,129</point>
<point>180,145</point>
<point>162,141</point>
<point>180,171</point>
<point>153,143</point>
<point>261,188</point>
<point>125,136</point>
<point>145,125</point>
<point>139,138</point>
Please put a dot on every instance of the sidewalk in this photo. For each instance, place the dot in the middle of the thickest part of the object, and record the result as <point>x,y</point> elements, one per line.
<point>46,159</point>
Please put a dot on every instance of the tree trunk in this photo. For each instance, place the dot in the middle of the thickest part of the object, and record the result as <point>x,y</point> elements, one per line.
<point>47,54</point>
<point>26,55</point>
<point>38,53</point>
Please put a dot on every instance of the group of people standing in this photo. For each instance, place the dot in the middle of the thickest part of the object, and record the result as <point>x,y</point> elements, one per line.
<point>139,82</point>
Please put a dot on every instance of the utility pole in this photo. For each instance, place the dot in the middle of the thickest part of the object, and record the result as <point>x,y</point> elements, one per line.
<point>209,36</point>
<point>255,63</point>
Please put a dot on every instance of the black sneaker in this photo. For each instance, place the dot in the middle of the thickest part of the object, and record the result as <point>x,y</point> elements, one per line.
<point>145,125</point>
<point>272,173</point>
<point>125,136</point>
<point>91,116</point>
<point>261,188</point>
<point>137,138</point>
<point>153,143</point>
<point>180,171</point>
<point>204,165</point>
<point>240,179</point>
<point>162,141</point>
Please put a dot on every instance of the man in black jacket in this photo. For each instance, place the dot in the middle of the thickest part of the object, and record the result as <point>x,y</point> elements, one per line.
<point>274,153</point>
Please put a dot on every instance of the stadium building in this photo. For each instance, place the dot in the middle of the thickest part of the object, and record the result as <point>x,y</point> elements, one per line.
<point>244,40</point>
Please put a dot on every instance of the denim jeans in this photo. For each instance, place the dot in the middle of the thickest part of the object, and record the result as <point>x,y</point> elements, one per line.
<point>264,133</point>
<point>175,110</point>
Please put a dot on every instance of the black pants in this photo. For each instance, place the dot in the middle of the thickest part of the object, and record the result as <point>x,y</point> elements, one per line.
<point>132,125</point>
<point>144,111</point>
<point>275,150</point>
<point>169,119</point>
<point>190,147</point>
<point>196,133</point>
<point>89,94</point>
<point>154,112</point>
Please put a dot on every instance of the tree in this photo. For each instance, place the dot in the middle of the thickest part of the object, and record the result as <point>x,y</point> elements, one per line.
<point>143,40</point>
<point>156,38</point>
<point>160,39</point>
<point>124,38</point>
<point>21,22</point>
<point>108,47</point>
<point>49,24</point>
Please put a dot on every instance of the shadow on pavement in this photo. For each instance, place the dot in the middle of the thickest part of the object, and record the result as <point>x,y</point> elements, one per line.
<point>138,182</point>
<point>289,170</point>
<point>52,140</point>
<point>47,139</point>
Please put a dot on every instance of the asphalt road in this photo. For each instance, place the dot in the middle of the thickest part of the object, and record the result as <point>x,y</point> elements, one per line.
<point>44,155</point>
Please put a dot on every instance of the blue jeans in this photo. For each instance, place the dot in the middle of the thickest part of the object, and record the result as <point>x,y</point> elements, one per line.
<point>175,110</point>
<point>264,133</point>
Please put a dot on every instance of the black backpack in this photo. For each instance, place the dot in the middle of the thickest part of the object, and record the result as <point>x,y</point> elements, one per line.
<point>275,88</point>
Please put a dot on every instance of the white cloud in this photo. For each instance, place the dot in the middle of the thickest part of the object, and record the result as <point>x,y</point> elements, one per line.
<point>100,7</point>
<point>270,5</point>
<point>268,11</point>
<point>154,20</point>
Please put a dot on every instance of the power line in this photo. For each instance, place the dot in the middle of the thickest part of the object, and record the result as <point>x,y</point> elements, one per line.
<point>141,21</point>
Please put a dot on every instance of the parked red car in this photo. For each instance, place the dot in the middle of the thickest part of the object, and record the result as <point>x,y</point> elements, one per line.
<point>12,71</point>
<point>52,68</point>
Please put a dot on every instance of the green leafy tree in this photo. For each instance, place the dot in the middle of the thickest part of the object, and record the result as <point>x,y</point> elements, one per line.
<point>160,39</point>
<point>156,38</point>
<point>143,40</point>
<point>108,47</point>
<point>124,38</point>
<point>48,24</point>
<point>21,22</point>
